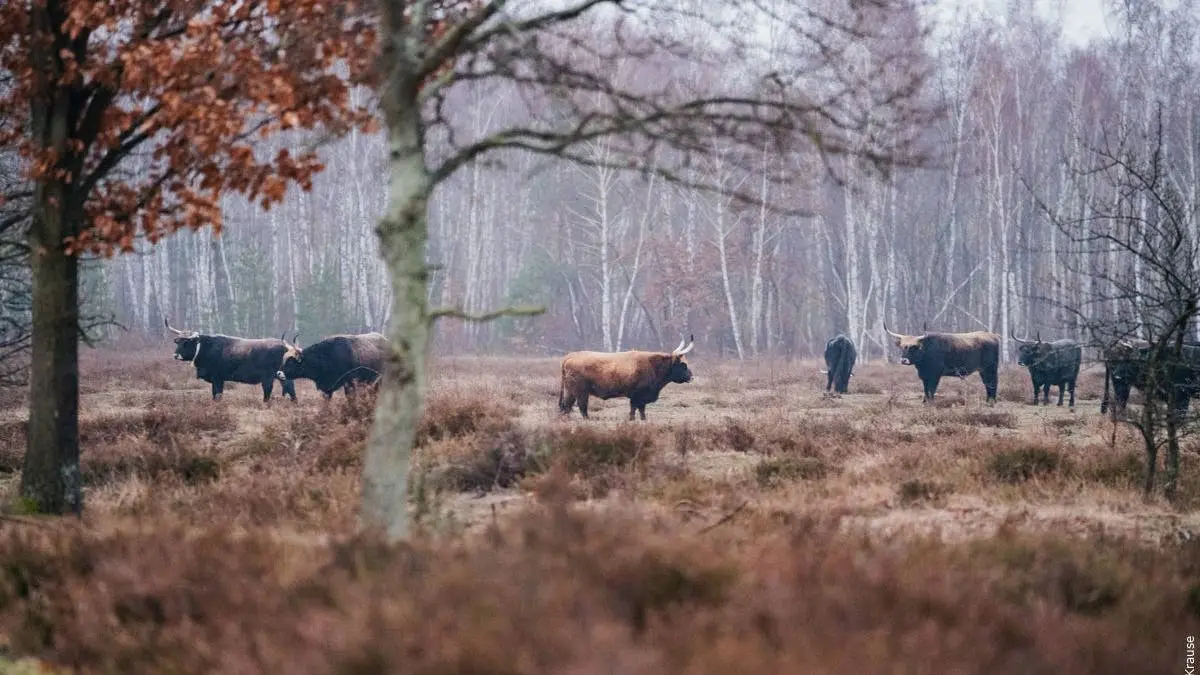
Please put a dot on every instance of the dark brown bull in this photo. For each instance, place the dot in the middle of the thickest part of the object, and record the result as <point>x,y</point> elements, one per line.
<point>640,376</point>
<point>938,354</point>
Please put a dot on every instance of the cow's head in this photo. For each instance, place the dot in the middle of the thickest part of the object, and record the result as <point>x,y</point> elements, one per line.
<point>912,347</point>
<point>292,364</point>
<point>679,372</point>
<point>1125,359</point>
<point>187,345</point>
<point>1030,352</point>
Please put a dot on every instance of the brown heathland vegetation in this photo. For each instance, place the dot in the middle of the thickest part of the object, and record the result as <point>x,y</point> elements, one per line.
<point>750,525</point>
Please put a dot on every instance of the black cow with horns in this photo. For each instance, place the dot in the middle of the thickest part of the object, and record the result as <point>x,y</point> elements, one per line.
<point>337,361</point>
<point>221,358</point>
<point>1050,363</point>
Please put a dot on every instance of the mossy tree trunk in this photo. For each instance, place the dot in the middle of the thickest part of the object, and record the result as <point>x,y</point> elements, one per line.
<point>403,234</point>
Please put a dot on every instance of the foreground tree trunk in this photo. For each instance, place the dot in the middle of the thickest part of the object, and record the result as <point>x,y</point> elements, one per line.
<point>403,234</point>
<point>50,481</point>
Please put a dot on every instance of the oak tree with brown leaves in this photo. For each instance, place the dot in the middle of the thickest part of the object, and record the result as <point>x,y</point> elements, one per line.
<point>132,118</point>
<point>845,81</point>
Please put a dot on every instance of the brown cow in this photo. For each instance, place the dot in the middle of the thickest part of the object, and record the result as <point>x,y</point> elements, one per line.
<point>640,376</point>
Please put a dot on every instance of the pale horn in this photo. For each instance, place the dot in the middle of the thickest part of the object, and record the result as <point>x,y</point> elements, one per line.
<point>177,331</point>
<point>690,345</point>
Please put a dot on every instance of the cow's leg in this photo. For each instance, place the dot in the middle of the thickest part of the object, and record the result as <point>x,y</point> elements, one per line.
<point>632,408</point>
<point>268,386</point>
<point>1046,392</point>
<point>990,378</point>
<point>1062,386</point>
<point>217,387</point>
<point>327,394</point>
<point>1035,391</point>
<point>583,401</point>
<point>828,380</point>
<point>1071,384</point>
<point>931,386</point>
<point>289,389</point>
<point>565,403</point>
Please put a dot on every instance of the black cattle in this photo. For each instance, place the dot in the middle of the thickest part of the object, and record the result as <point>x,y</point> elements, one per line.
<point>840,356</point>
<point>337,361</point>
<point>1050,363</point>
<point>937,354</point>
<point>220,358</point>
<point>1125,368</point>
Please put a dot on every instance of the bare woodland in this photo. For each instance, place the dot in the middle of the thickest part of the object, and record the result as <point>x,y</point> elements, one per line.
<point>626,260</point>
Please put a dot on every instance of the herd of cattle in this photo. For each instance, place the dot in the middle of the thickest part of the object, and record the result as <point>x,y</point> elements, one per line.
<point>338,361</point>
<point>347,360</point>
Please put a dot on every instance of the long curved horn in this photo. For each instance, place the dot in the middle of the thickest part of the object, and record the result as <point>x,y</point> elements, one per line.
<point>176,330</point>
<point>895,335</point>
<point>295,339</point>
<point>681,343</point>
<point>1013,336</point>
<point>690,345</point>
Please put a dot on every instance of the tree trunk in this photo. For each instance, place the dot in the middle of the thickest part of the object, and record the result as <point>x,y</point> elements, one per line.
<point>50,480</point>
<point>403,236</point>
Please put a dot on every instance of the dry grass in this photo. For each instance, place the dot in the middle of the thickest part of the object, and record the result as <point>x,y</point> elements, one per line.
<point>751,525</point>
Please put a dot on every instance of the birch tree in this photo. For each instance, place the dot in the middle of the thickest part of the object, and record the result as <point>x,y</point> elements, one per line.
<point>431,47</point>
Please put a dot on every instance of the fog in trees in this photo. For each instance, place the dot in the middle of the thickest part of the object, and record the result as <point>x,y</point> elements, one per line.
<point>625,260</point>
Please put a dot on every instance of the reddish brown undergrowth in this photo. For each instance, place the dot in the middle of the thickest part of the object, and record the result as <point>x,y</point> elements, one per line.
<point>562,590</point>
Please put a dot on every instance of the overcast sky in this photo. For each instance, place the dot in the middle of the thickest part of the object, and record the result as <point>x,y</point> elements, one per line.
<point>1081,20</point>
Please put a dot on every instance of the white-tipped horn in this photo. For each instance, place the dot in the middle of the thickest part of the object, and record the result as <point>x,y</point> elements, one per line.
<point>679,346</point>
<point>690,345</point>
<point>895,335</point>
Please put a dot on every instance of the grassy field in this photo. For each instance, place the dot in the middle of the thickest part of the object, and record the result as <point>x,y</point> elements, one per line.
<point>750,525</point>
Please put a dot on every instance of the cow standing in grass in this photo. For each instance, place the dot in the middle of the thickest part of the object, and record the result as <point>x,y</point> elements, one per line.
<point>840,356</point>
<point>638,376</point>
<point>220,358</point>
<point>1050,363</point>
<point>937,354</point>
<point>336,361</point>
<point>1126,367</point>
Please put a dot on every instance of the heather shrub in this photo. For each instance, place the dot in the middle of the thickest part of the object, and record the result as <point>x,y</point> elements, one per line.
<point>1125,470</point>
<point>572,591</point>
<point>1020,462</point>
<point>916,491</point>
<point>480,463</point>
<point>458,414</point>
<point>989,418</point>
<point>775,471</point>
<point>189,462</point>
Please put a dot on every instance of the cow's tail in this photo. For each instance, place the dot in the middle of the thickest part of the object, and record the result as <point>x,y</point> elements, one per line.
<point>1104,401</point>
<point>562,391</point>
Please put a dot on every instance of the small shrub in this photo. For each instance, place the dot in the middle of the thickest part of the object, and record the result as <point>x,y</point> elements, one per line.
<point>1020,464</point>
<point>187,462</point>
<point>454,415</point>
<point>775,471</point>
<point>1121,471</point>
<point>592,451</point>
<point>481,463</point>
<point>736,438</point>
<point>990,418</point>
<point>864,387</point>
<point>916,490</point>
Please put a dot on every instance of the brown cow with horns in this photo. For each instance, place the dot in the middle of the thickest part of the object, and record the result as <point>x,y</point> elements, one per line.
<point>640,376</point>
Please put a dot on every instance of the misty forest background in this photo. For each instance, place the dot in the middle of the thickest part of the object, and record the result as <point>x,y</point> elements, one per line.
<point>625,261</point>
